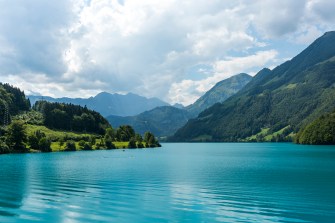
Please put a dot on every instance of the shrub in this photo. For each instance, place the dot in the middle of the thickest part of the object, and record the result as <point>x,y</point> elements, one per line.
<point>44,145</point>
<point>70,146</point>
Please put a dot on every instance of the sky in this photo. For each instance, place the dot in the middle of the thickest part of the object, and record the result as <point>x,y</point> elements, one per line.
<point>175,50</point>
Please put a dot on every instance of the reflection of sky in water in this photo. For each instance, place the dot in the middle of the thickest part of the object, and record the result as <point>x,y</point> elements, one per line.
<point>179,182</point>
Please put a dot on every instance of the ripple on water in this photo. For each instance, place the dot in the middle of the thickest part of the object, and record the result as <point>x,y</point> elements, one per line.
<point>177,183</point>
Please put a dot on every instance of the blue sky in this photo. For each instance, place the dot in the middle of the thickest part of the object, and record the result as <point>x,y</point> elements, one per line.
<point>171,49</point>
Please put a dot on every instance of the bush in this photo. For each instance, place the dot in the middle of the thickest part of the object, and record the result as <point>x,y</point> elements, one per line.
<point>132,143</point>
<point>86,146</point>
<point>4,147</point>
<point>33,142</point>
<point>140,145</point>
<point>109,144</point>
<point>44,145</point>
<point>70,146</point>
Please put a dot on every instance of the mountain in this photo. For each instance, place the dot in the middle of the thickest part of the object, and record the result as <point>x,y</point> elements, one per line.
<point>279,101</point>
<point>219,93</point>
<point>177,105</point>
<point>166,120</point>
<point>110,104</point>
<point>161,121</point>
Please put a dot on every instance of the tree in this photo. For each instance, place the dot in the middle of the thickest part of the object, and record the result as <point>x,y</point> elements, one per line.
<point>84,145</point>
<point>140,145</point>
<point>92,140</point>
<point>150,140</point>
<point>44,145</point>
<point>124,133</point>
<point>16,136</point>
<point>110,132</point>
<point>70,145</point>
<point>138,138</point>
<point>33,141</point>
<point>3,146</point>
<point>109,144</point>
<point>38,140</point>
<point>132,143</point>
<point>61,142</point>
<point>147,135</point>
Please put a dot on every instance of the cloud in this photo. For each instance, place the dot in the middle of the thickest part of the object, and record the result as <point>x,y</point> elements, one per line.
<point>324,9</point>
<point>34,33</point>
<point>78,48</point>
<point>277,18</point>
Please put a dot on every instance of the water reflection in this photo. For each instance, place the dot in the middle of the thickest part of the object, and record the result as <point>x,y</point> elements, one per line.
<point>13,178</point>
<point>180,182</point>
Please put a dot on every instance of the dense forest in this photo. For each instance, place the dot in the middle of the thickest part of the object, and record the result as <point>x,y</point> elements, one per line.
<point>71,117</point>
<point>12,101</point>
<point>320,131</point>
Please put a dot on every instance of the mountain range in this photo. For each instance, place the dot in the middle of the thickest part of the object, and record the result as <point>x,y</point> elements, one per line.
<point>166,120</point>
<point>275,102</point>
<point>110,104</point>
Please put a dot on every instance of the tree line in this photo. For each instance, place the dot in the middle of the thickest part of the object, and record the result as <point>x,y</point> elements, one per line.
<point>15,139</point>
<point>12,101</point>
<point>71,117</point>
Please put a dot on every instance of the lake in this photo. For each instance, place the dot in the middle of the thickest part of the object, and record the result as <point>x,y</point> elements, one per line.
<point>180,182</point>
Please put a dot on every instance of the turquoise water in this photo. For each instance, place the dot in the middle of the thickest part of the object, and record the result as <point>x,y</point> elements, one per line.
<point>219,182</point>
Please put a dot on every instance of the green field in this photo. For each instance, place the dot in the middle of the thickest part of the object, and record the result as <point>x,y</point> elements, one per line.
<point>56,136</point>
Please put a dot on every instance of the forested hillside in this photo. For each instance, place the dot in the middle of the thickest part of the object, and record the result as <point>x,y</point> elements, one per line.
<point>71,117</point>
<point>12,101</point>
<point>320,131</point>
<point>219,93</point>
<point>286,98</point>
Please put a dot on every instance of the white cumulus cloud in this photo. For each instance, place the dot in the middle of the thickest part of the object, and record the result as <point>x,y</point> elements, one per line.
<point>78,48</point>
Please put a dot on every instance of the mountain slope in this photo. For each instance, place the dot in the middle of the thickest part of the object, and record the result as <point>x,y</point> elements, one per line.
<point>164,121</point>
<point>161,121</point>
<point>110,104</point>
<point>290,96</point>
<point>320,131</point>
<point>219,93</point>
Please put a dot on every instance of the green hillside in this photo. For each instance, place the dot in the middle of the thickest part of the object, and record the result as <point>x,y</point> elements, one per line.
<point>290,96</point>
<point>320,131</point>
<point>71,117</point>
<point>219,93</point>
